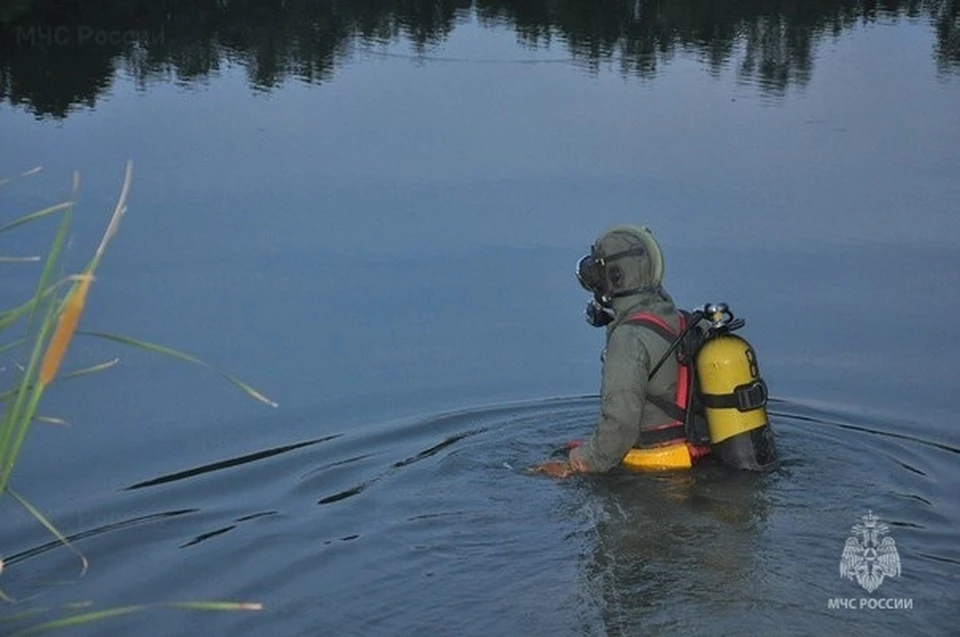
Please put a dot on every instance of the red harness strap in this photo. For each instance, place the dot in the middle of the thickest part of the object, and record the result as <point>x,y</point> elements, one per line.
<point>674,430</point>
<point>683,376</point>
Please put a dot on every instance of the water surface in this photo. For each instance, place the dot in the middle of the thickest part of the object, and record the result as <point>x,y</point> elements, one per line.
<point>371,211</point>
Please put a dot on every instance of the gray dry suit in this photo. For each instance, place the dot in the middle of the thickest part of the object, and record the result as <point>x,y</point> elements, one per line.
<point>631,352</point>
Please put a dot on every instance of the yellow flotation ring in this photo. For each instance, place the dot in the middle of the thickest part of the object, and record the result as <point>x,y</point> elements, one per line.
<point>666,457</point>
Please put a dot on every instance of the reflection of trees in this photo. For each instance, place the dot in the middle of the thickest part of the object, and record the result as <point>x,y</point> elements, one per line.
<point>772,42</point>
<point>777,38</point>
<point>297,38</point>
<point>947,21</point>
<point>41,66</point>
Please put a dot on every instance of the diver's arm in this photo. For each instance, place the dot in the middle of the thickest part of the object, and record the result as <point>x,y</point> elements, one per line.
<point>623,395</point>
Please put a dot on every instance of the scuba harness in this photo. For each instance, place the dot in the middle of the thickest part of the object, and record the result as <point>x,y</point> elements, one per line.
<point>720,403</point>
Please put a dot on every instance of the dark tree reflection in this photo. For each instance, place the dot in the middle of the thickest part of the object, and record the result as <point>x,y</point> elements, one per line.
<point>56,54</point>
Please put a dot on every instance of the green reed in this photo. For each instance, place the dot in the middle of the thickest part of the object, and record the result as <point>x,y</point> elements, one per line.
<point>41,329</point>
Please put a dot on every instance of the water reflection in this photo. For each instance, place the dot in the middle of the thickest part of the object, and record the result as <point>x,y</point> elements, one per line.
<point>55,55</point>
<point>669,541</point>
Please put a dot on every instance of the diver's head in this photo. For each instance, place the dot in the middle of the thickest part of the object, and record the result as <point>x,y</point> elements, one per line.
<point>623,261</point>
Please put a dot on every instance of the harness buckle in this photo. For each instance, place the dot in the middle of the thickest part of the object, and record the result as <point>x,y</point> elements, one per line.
<point>751,396</point>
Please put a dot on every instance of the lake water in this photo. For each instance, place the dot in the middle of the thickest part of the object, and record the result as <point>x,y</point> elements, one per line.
<point>372,211</point>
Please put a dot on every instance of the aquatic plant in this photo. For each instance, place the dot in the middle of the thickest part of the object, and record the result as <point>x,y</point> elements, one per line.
<point>42,327</point>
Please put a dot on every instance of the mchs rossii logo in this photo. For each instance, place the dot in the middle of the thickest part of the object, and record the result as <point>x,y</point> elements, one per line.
<point>869,557</point>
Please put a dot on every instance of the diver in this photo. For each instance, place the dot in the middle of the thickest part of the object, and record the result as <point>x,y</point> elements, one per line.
<point>676,386</point>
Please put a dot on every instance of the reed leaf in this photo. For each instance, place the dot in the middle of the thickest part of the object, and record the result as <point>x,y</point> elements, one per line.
<point>50,420</point>
<point>9,317</point>
<point>79,620</point>
<point>39,214</point>
<point>217,606</point>
<point>39,610</point>
<point>19,259</point>
<point>167,351</point>
<point>12,344</point>
<point>28,173</point>
<point>42,519</point>
<point>16,420</point>
<point>50,263</point>
<point>6,395</point>
<point>93,369</point>
<point>109,613</point>
<point>114,225</point>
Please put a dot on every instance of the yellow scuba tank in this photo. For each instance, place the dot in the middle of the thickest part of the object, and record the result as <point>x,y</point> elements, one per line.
<point>733,395</point>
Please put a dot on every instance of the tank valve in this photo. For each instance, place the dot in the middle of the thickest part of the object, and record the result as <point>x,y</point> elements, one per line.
<point>721,317</point>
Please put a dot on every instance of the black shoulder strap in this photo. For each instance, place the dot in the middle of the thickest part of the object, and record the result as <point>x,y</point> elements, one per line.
<point>671,409</point>
<point>668,407</point>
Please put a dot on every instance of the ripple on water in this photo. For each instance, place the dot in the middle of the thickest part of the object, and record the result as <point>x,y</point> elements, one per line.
<point>431,522</point>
